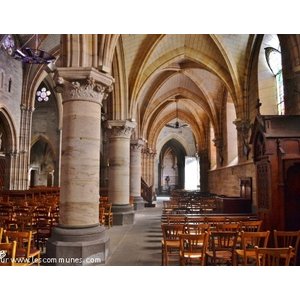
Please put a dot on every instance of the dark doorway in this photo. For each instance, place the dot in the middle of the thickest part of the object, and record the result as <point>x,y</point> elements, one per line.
<point>292,198</point>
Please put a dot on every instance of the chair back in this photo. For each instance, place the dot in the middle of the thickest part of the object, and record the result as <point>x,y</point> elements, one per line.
<point>8,253</point>
<point>252,226</point>
<point>288,238</point>
<point>251,239</point>
<point>197,228</point>
<point>273,256</point>
<point>173,219</point>
<point>172,231</point>
<point>228,227</point>
<point>193,248</point>
<point>223,240</point>
<point>23,239</point>
<point>1,234</point>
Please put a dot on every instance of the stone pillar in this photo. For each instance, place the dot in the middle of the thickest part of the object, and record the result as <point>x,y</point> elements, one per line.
<point>151,168</point>
<point>119,159</point>
<point>136,173</point>
<point>204,168</point>
<point>21,180</point>
<point>143,164</point>
<point>79,239</point>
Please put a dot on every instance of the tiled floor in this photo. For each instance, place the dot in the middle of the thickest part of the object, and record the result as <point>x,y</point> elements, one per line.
<point>138,244</point>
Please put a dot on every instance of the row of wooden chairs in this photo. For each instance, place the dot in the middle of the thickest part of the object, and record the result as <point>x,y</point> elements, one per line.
<point>222,247</point>
<point>105,214</point>
<point>218,223</point>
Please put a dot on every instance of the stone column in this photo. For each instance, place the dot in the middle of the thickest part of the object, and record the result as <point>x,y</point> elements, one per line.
<point>119,158</point>
<point>143,163</point>
<point>79,239</point>
<point>204,168</point>
<point>151,175</point>
<point>21,180</point>
<point>136,173</point>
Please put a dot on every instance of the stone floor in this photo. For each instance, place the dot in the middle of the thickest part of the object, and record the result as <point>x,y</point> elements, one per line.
<point>138,244</point>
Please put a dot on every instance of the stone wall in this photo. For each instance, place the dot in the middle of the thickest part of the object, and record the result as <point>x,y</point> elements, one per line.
<point>10,93</point>
<point>225,181</point>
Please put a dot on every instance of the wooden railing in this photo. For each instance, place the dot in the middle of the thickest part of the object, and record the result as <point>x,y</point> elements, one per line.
<point>147,193</point>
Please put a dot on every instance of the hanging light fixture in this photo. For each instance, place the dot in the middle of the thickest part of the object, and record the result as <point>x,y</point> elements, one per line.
<point>176,125</point>
<point>26,54</point>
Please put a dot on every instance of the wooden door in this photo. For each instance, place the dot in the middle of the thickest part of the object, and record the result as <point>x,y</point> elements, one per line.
<point>292,198</point>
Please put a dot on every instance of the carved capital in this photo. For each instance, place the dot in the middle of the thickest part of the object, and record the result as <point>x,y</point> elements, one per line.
<point>218,142</point>
<point>83,84</point>
<point>242,126</point>
<point>120,128</point>
<point>136,145</point>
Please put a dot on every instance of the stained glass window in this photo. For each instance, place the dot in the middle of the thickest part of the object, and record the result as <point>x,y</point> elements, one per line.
<point>43,95</point>
<point>8,44</point>
<point>273,57</point>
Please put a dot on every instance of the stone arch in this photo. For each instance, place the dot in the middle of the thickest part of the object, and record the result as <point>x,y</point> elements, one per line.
<point>42,162</point>
<point>9,137</point>
<point>171,166</point>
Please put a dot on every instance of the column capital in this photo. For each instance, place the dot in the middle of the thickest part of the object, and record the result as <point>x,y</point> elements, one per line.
<point>83,84</point>
<point>120,128</point>
<point>218,142</point>
<point>242,125</point>
<point>136,145</point>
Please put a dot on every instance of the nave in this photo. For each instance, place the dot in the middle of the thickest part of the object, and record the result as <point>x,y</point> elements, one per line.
<point>138,244</point>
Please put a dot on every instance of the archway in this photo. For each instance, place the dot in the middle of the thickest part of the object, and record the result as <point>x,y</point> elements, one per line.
<point>7,147</point>
<point>42,164</point>
<point>171,167</point>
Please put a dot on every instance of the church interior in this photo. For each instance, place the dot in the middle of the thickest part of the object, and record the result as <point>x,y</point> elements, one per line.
<point>97,128</point>
<point>149,161</point>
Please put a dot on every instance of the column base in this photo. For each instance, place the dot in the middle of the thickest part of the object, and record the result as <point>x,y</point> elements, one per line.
<point>138,203</point>
<point>77,246</point>
<point>123,214</point>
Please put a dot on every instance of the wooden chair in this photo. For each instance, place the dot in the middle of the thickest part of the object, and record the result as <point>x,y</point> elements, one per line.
<point>173,219</point>
<point>195,219</point>
<point>170,241</point>
<point>254,225</point>
<point>101,215</point>
<point>8,253</point>
<point>1,234</point>
<point>25,253</point>
<point>108,215</point>
<point>285,239</point>
<point>273,256</point>
<point>215,221</point>
<point>193,248</point>
<point>246,255</point>
<point>228,227</point>
<point>222,245</point>
<point>196,228</point>
<point>43,231</point>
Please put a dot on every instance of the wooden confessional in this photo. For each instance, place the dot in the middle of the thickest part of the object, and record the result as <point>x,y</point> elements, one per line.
<point>276,146</point>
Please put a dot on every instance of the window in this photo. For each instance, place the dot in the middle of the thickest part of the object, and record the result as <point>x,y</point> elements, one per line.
<point>273,57</point>
<point>43,94</point>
